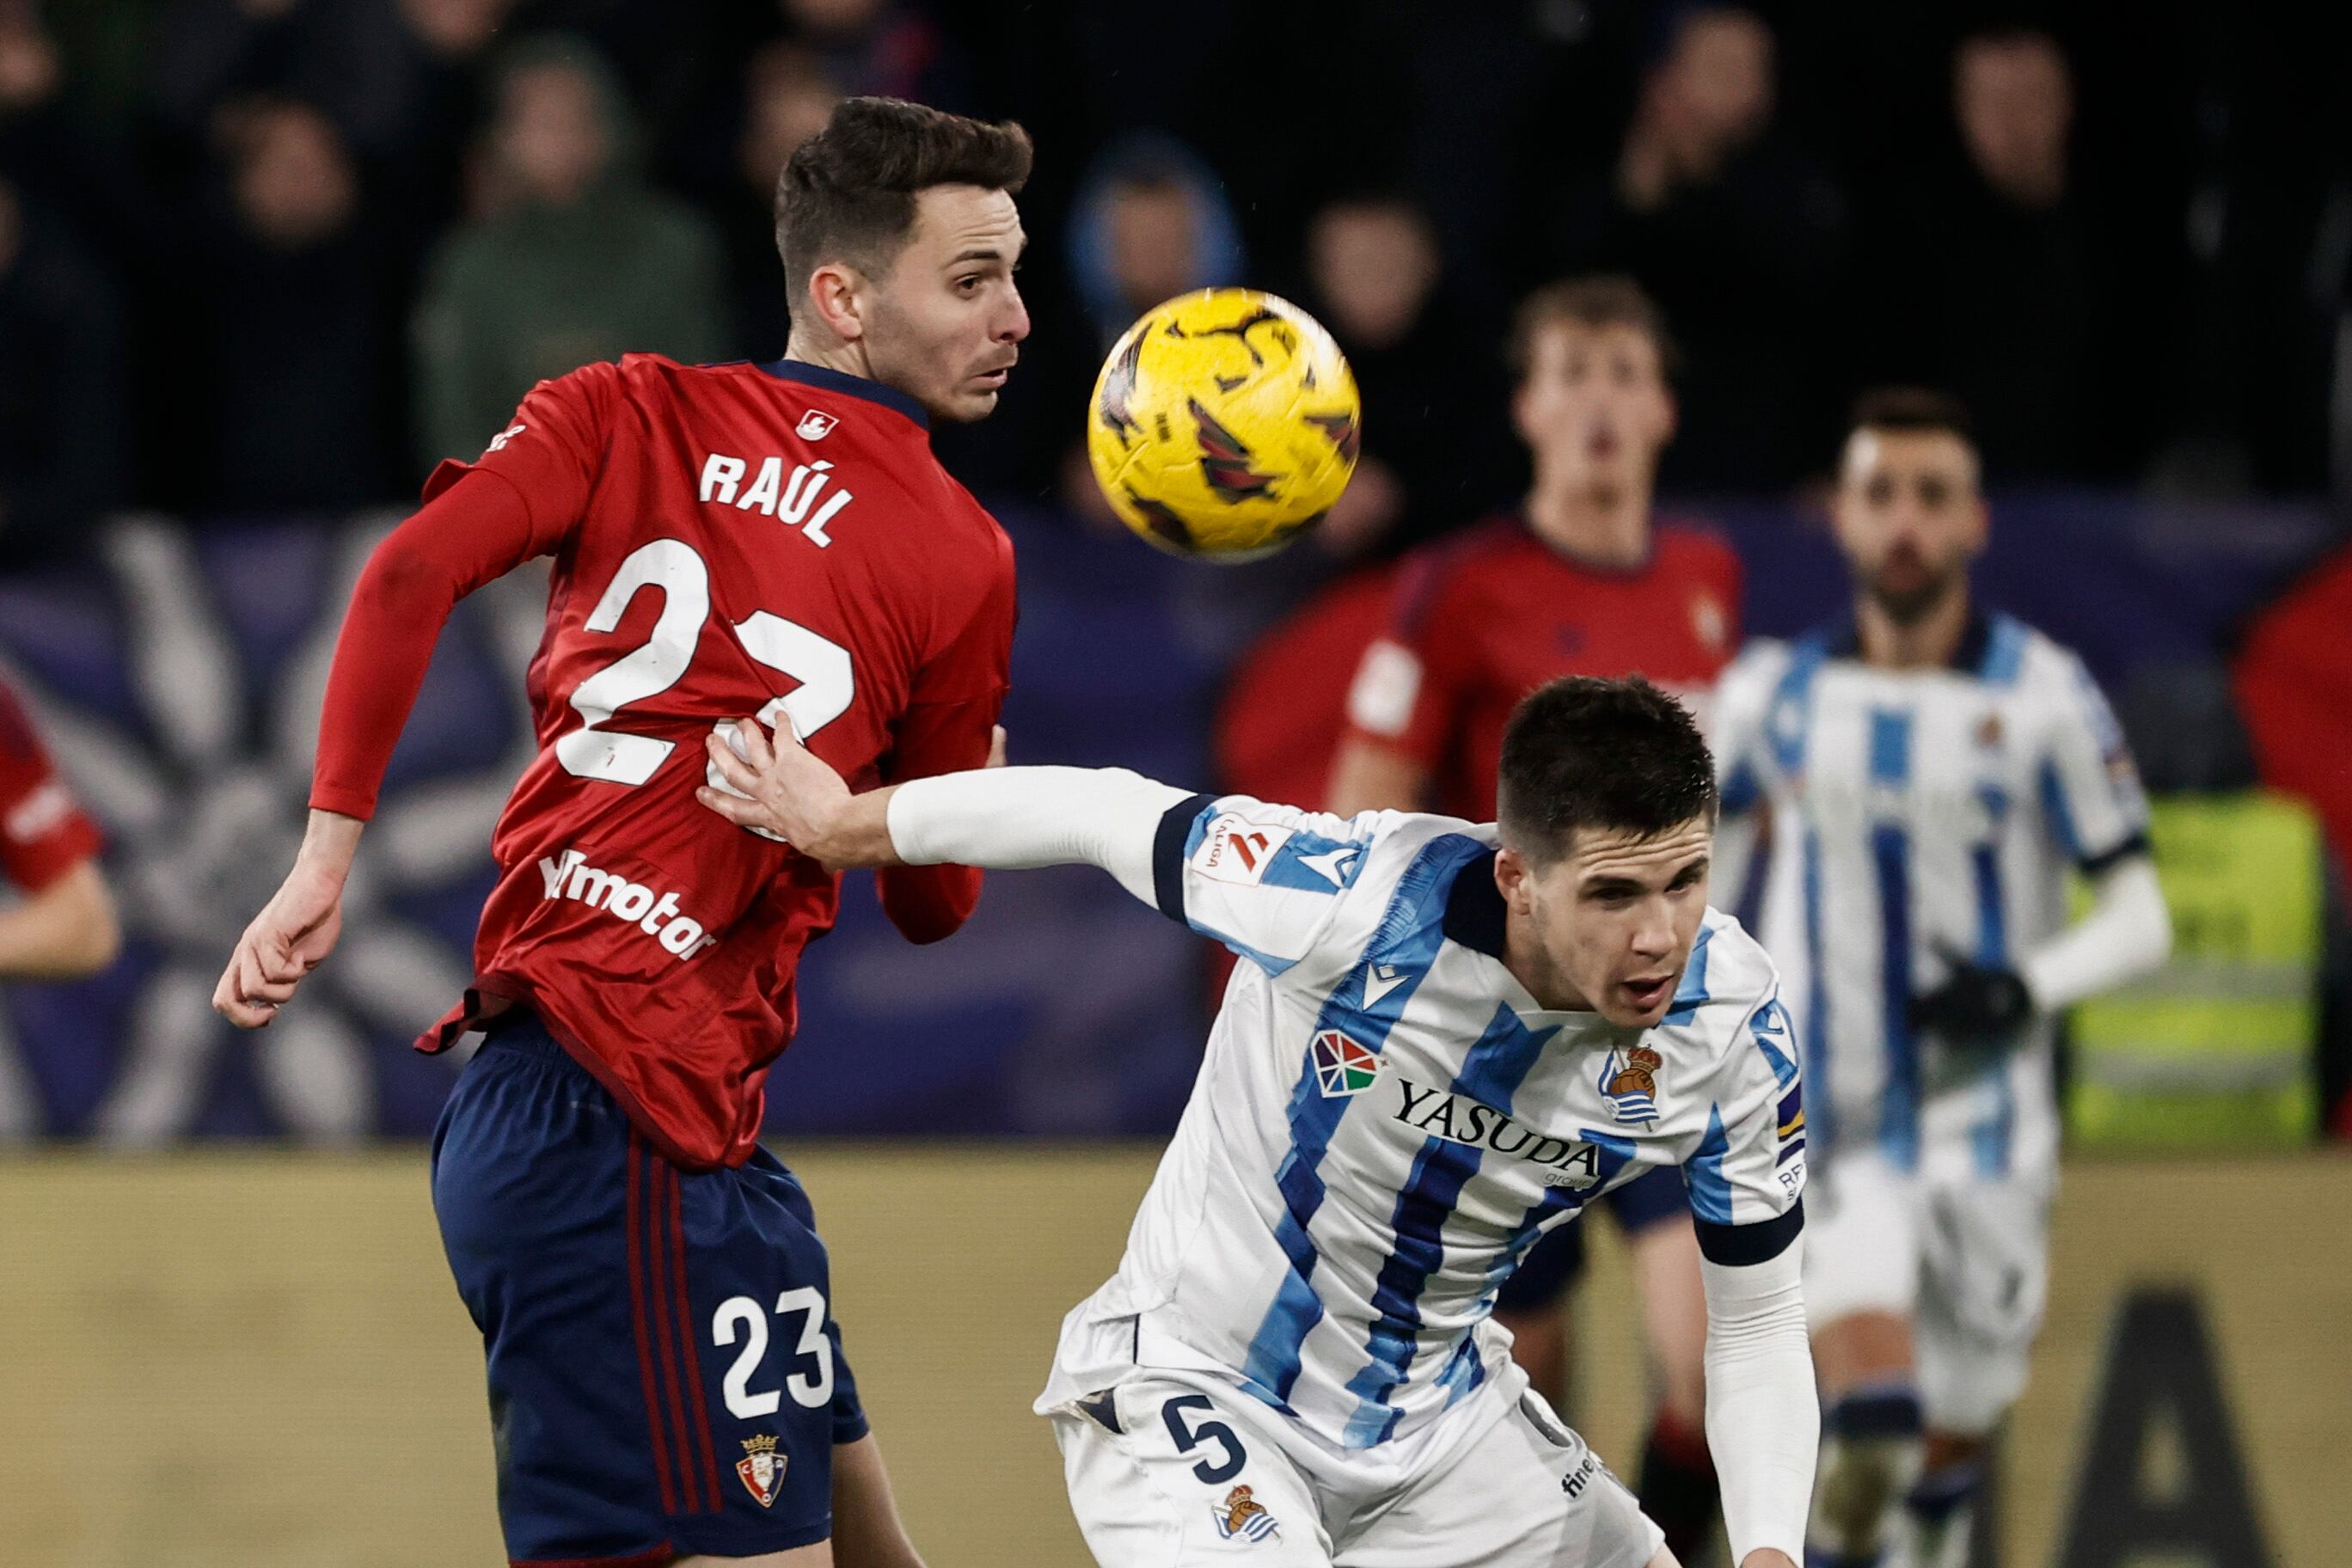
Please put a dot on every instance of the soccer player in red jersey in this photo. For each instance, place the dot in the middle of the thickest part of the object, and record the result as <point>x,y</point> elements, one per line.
<point>1578,581</point>
<point>64,926</point>
<point>666,1378</point>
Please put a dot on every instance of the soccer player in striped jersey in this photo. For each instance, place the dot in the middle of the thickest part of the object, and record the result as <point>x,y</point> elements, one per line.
<point>1582,578</point>
<point>1931,773</point>
<point>1445,1040</point>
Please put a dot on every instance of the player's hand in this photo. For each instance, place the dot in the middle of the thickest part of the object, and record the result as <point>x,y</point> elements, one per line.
<point>1979,1004</point>
<point>783,789</point>
<point>292,935</point>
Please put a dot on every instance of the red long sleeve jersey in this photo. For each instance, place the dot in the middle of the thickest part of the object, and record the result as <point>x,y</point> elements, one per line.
<point>1484,619</point>
<point>43,833</point>
<point>727,541</point>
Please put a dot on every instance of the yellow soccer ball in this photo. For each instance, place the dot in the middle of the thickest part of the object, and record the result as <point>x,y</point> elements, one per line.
<point>1223,424</point>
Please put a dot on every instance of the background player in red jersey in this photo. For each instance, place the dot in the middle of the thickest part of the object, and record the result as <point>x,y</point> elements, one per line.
<point>64,926</point>
<point>666,1378</point>
<point>1578,581</point>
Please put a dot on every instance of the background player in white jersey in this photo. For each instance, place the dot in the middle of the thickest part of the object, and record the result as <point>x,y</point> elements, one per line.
<point>1446,1040</point>
<point>1930,774</point>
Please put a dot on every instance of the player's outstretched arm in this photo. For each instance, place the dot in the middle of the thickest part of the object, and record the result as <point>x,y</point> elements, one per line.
<point>790,791</point>
<point>996,819</point>
<point>468,533</point>
<point>295,929</point>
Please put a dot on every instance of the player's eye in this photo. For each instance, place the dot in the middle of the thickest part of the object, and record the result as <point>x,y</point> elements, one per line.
<point>969,284</point>
<point>1933,493</point>
<point>1879,491</point>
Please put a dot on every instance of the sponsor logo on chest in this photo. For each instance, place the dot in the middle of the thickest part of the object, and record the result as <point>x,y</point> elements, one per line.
<point>1457,1118</point>
<point>806,496</point>
<point>656,914</point>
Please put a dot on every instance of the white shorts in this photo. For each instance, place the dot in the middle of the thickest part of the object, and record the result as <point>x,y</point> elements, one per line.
<point>1965,1257</point>
<point>1200,1473</point>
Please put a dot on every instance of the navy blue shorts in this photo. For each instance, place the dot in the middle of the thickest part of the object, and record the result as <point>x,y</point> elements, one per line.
<point>666,1376</point>
<point>1552,1265</point>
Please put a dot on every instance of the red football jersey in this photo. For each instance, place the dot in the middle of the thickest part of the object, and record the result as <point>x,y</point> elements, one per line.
<point>1482,620</point>
<point>728,539</point>
<point>43,833</point>
<point>1285,709</point>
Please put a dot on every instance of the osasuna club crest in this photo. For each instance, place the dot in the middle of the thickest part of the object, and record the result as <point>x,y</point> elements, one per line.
<point>816,424</point>
<point>762,1469</point>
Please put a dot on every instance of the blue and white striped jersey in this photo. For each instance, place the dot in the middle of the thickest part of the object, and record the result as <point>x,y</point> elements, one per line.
<point>1385,1120</point>
<point>1917,817</point>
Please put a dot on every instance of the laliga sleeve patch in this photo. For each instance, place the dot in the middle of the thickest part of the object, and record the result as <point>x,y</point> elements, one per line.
<point>1237,850</point>
<point>1387,683</point>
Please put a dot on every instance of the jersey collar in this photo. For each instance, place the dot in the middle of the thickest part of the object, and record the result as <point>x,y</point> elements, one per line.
<point>1623,571</point>
<point>1473,908</point>
<point>1844,640</point>
<point>848,385</point>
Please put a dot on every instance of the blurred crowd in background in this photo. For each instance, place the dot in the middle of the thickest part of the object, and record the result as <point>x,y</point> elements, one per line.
<point>271,255</point>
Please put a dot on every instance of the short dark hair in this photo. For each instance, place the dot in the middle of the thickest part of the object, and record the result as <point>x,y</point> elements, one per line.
<point>1585,752</point>
<point>1604,299</point>
<point>848,194</point>
<point>1911,408</point>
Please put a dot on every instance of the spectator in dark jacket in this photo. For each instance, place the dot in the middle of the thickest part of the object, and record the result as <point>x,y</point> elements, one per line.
<point>787,99</point>
<point>61,395</point>
<point>1995,266</point>
<point>1740,240</point>
<point>1437,447</point>
<point>289,301</point>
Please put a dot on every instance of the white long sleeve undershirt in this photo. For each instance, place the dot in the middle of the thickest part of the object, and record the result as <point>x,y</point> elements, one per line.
<point>1763,1417</point>
<point>2127,933</point>
<point>1010,819</point>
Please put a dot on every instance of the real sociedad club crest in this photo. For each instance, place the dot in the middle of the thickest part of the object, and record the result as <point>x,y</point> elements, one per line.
<point>762,1469</point>
<point>1631,1089</point>
<point>1243,1515</point>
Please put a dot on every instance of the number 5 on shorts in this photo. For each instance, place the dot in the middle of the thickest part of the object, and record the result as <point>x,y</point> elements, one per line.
<point>1191,1437</point>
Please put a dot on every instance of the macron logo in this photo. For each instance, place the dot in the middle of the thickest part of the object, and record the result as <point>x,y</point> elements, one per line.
<point>1380,980</point>
<point>573,877</point>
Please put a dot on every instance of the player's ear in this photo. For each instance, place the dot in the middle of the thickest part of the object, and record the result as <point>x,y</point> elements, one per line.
<point>1513,877</point>
<point>1981,528</point>
<point>837,293</point>
<point>1519,412</point>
